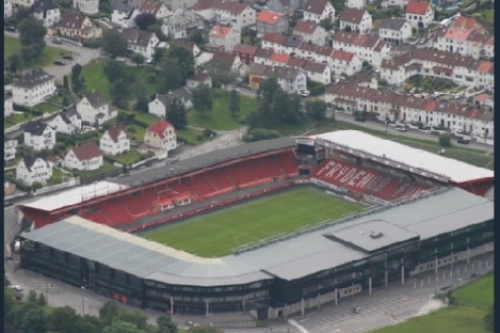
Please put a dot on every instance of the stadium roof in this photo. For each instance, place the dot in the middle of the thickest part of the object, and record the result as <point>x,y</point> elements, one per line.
<point>456,171</point>
<point>75,195</point>
<point>291,259</point>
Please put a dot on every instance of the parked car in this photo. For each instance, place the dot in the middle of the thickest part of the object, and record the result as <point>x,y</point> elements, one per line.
<point>10,28</point>
<point>56,40</point>
<point>463,141</point>
<point>68,57</point>
<point>59,62</point>
<point>305,93</point>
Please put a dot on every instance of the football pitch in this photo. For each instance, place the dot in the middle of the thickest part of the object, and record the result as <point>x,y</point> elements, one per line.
<point>216,234</point>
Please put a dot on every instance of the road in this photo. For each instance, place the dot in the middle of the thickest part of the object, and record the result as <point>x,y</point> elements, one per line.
<point>81,55</point>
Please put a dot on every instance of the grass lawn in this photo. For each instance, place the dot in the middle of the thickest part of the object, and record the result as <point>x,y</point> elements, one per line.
<point>57,177</point>
<point>215,234</point>
<point>106,167</point>
<point>489,17</point>
<point>16,119</point>
<point>474,300</point>
<point>472,156</point>
<point>190,135</point>
<point>12,45</point>
<point>47,107</point>
<point>143,117</point>
<point>220,118</point>
<point>95,79</point>
<point>129,157</point>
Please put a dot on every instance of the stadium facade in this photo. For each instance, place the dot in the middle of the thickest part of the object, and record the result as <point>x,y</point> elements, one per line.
<point>432,225</point>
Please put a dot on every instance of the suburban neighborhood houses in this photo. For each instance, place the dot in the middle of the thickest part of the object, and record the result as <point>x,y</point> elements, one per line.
<point>415,64</point>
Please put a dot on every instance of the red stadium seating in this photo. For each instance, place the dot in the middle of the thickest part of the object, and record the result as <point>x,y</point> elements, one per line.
<point>219,180</point>
<point>253,171</point>
<point>368,181</point>
<point>288,163</point>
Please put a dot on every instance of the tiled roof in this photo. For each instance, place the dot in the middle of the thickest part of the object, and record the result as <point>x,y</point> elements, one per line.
<point>138,37</point>
<point>159,128</point>
<point>87,151</point>
<point>71,20</point>
<point>417,7</point>
<point>343,55</point>
<point>150,6</point>
<point>361,40</point>
<point>96,100</point>
<point>114,132</point>
<point>245,49</point>
<point>35,128</point>
<point>352,15</point>
<point>280,57</point>
<point>32,79</point>
<point>264,53</point>
<point>315,67</point>
<point>392,24</point>
<point>29,161</point>
<point>274,38</point>
<point>220,31</point>
<point>315,6</point>
<point>268,17</point>
<point>305,27</point>
<point>223,58</point>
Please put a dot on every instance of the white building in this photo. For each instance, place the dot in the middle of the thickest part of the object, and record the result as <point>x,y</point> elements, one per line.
<point>31,170</point>
<point>356,20</point>
<point>123,15</point>
<point>9,149</point>
<point>231,13</point>
<point>95,110</point>
<point>85,157</point>
<point>291,80</point>
<point>182,24</point>
<point>159,106</point>
<point>39,136</point>
<point>368,48</point>
<point>141,42</point>
<point>66,122</point>
<point>227,61</point>
<point>161,136</point>
<point>47,12</point>
<point>33,88</point>
<point>318,72</point>
<point>226,37</point>
<point>197,80</point>
<point>88,7</point>
<point>419,14</point>
<point>310,32</point>
<point>7,9</point>
<point>344,63</point>
<point>360,4</point>
<point>396,31</point>
<point>23,3</point>
<point>158,9</point>
<point>115,141</point>
<point>318,10</point>
<point>8,105</point>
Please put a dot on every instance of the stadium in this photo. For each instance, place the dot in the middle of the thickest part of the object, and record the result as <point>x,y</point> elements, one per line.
<point>270,228</point>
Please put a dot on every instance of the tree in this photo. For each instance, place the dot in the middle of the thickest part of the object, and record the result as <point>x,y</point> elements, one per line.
<point>137,318</point>
<point>89,324</point>
<point>326,24</point>
<point>114,44</point>
<point>185,61</point>
<point>41,300</point>
<point>316,109</point>
<point>31,31</point>
<point>204,329</point>
<point>166,325</point>
<point>120,93</point>
<point>176,114</point>
<point>138,59</point>
<point>171,76</point>
<point>221,74</point>
<point>77,80</point>
<point>202,98</point>
<point>63,319</point>
<point>30,53</point>
<point>34,321</point>
<point>145,20</point>
<point>445,140</point>
<point>32,297</point>
<point>234,102</point>
<point>489,318</point>
<point>108,312</point>
<point>6,281</point>
<point>115,70</point>
<point>15,62</point>
<point>119,326</point>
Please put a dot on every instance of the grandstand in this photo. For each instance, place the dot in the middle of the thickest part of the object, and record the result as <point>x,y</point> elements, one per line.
<point>273,277</point>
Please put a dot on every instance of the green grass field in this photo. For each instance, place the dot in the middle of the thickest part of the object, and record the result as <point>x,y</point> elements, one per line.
<point>12,45</point>
<point>473,299</point>
<point>216,234</point>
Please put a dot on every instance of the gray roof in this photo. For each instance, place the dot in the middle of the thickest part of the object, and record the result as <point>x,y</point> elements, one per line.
<point>33,78</point>
<point>35,128</point>
<point>121,6</point>
<point>206,160</point>
<point>299,256</point>
<point>43,6</point>
<point>392,24</point>
<point>96,100</point>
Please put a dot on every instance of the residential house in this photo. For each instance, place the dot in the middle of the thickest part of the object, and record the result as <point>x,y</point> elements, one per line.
<point>198,79</point>
<point>318,72</point>
<point>446,5</point>
<point>419,14</point>
<point>228,13</point>
<point>343,63</point>
<point>9,149</point>
<point>225,37</point>
<point>226,61</point>
<point>123,15</point>
<point>190,46</point>
<point>485,100</point>
<point>356,20</point>
<point>173,5</point>
<point>368,48</point>
<point>359,4</point>
<point>271,22</point>
<point>87,7</point>
<point>47,12</point>
<point>291,80</point>
<point>141,42</point>
<point>466,37</point>
<point>159,106</point>
<point>115,141</point>
<point>8,105</point>
<point>39,136</point>
<point>246,52</point>
<point>33,88</point>
<point>23,3</point>
<point>395,31</point>
<point>158,9</point>
<point>66,122</point>
<point>161,136</point>
<point>95,110</point>
<point>86,157</point>
<point>7,9</point>
<point>182,24</point>
<point>463,70</point>
<point>78,26</point>
<point>275,42</point>
<point>310,32</point>
<point>318,10</point>
<point>286,7</point>
<point>31,170</point>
